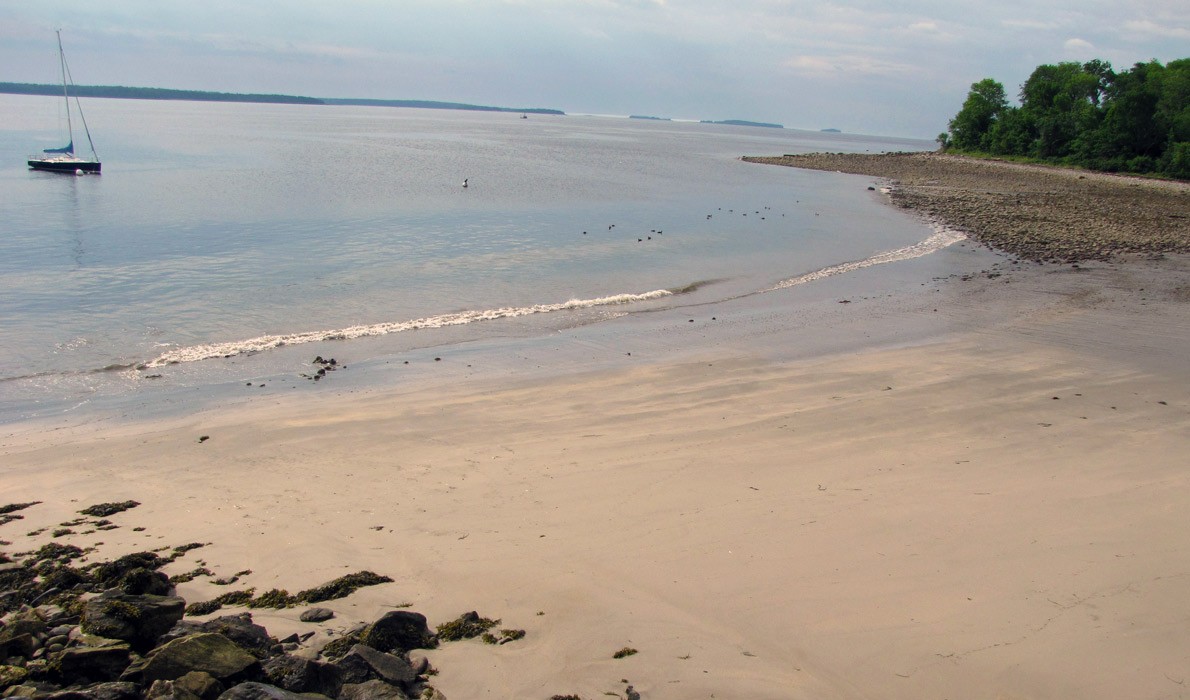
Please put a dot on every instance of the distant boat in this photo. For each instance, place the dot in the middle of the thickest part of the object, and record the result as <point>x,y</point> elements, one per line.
<point>63,160</point>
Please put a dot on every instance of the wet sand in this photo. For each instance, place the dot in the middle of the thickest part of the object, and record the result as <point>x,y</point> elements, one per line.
<point>990,507</point>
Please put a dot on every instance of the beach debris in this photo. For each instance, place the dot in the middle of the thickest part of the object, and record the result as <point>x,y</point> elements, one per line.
<point>465,626</point>
<point>624,652</point>
<point>102,510</point>
<point>505,636</point>
<point>8,512</point>
<point>324,365</point>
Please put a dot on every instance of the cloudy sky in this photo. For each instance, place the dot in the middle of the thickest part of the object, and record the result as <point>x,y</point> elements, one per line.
<point>889,67</point>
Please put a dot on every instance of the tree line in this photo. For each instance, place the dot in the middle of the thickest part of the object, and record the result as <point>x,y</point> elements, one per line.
<point>1135,121</point>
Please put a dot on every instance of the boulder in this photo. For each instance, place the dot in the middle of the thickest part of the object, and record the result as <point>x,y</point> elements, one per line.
<point>209,652</point>
<point>245,633</point>
<point>260,691</point>
<point>136,619</point>
<point>372,690</point>
<point>18,637</point>
<point>399,631</point>
<point>316,615</point>
<point>91,664</point>
<point>202,684</point>
<point>169,690</point>
<point>304,675</point>
<point>364,663</point>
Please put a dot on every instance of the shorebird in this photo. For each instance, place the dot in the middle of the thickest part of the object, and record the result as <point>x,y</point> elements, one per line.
<point>465,181</point>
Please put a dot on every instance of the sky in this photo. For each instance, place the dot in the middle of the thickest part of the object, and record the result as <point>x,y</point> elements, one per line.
<point>883,67</point>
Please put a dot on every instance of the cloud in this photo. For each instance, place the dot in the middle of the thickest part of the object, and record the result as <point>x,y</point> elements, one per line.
<point>860,65</point>
<point>1078,46</point>
<point>1147,28</point>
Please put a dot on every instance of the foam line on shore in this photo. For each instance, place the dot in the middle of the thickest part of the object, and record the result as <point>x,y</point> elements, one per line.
<point>195,353</point>
<point>941,238</point>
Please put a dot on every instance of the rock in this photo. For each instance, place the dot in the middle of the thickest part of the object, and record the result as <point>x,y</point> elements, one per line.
<point>241,630</point>
<point>18,645</point>
<point>101,691</point>
<point>363,663</point>
<point>316,615</point>
<point>137,619</point>
<point>202,684</point>
<point>12,675</point>
<point>19,636</point>
<point>372,690</point>
<point>399,631</point>
<point>209,652</point>
<point>420,663</point>
<point>168,690</point>
<point>260,691</point>
<point>304,675</point>
<point>91,664</point>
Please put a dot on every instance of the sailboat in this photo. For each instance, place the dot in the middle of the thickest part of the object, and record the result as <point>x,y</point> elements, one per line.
<point>64,160</point>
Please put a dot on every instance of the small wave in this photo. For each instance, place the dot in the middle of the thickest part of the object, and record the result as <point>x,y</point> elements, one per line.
<point>941,238</point>
<point>195,353</point>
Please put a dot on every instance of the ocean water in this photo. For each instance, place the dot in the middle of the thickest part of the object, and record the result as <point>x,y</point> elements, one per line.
<point>233,242</point>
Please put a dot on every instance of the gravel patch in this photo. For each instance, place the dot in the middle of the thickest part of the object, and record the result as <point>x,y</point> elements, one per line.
<point>1037,212</point>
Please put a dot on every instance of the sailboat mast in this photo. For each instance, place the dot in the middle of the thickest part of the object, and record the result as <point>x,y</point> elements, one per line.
<point>65,94</point>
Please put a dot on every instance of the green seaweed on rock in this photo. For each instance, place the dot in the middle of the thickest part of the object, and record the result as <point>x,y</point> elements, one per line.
<point>465,626</point>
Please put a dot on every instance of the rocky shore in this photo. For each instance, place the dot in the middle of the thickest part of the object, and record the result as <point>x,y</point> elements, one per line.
<point>74,629</point>
<point>1036,212</point>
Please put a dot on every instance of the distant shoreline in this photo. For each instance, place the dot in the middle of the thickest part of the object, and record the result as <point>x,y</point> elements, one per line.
<point>1037,212</point>
<point>121,92</point>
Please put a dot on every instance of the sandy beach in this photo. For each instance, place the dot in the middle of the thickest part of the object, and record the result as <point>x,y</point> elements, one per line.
<point>993,508</point>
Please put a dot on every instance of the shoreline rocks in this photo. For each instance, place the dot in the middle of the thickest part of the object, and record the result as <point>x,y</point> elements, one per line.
<point>1037,212</point>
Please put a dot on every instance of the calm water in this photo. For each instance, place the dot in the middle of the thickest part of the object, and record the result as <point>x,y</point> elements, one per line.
<point>220,232</point>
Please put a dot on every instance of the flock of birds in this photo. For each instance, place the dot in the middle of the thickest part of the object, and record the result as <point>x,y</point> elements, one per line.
<point>757,212</point>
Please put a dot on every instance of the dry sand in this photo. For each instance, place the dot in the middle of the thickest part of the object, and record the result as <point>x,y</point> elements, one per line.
<point>1000,513</point>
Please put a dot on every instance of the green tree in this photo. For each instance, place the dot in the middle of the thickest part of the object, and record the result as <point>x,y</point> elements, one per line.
<point>983,106</point>
<point>1086,114</point>
<point>1061,102</point>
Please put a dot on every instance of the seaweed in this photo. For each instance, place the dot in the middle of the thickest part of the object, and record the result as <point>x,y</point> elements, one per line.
<point>626,651</point>
<point>102,510</point>
<point>338,648</point>
<point>210,606</point>
<point>465,626</point>
<point>190,575</point>
<point>276,598</point>
<point>341,587</point>
<point>504,637</point>
<point>182,549</point>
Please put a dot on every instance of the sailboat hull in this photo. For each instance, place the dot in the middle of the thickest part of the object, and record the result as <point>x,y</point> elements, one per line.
<point>63,165</point>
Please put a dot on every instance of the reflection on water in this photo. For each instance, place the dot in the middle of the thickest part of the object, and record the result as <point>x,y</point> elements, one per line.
<point>218,223</point>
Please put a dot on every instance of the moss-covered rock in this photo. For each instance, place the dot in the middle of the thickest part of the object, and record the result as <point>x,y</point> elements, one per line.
<point>208,652</point>
<point>399,631</point>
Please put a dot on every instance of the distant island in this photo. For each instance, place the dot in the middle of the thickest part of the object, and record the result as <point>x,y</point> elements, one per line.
<point>741,122</point>
<point>139,93</point>
<point>121,92</point>
<point>832,131</point>
<point>427,104</point>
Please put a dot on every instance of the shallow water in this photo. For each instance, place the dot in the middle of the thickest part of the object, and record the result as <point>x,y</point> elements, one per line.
<point>221,236</point>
